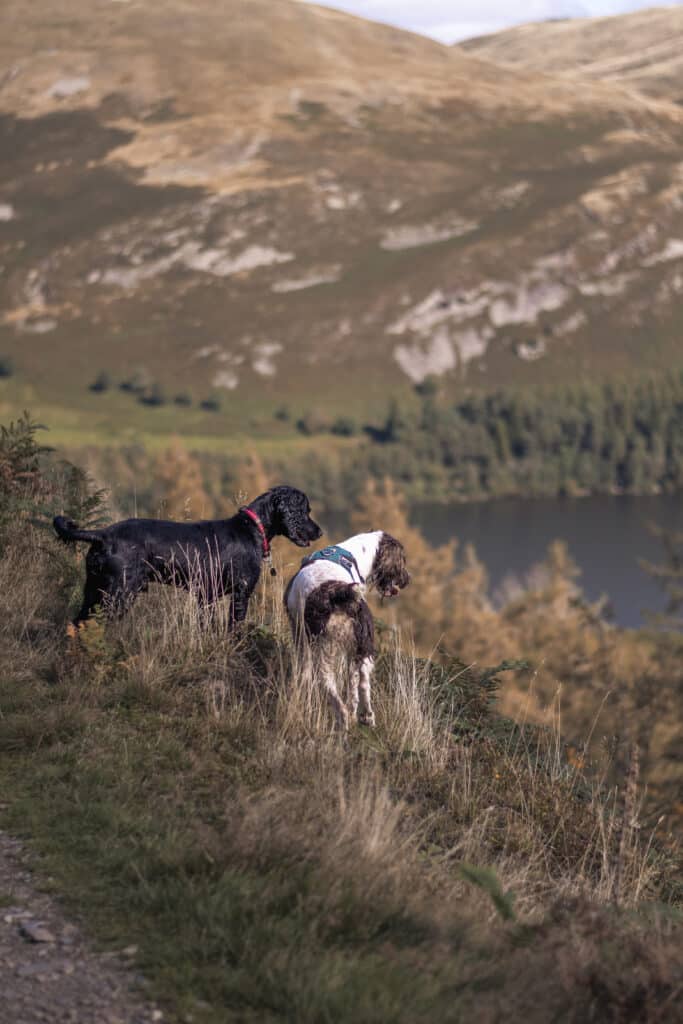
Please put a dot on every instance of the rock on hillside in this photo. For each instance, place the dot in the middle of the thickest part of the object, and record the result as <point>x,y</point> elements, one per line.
<point>276,200</point>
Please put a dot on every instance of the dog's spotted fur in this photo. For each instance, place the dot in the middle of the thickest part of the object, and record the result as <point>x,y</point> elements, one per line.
<point>344,598</point>
<point>328,611</point>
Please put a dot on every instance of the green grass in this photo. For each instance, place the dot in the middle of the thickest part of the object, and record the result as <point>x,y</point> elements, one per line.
<point>113,421</point>
<point>178,835</point>
<point>259,939</point>
<point>188,794</point>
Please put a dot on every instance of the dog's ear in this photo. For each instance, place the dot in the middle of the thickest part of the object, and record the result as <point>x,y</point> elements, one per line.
<point>292,516</point>
<point>389,571</point>
<point>277,504</point>
<point>292,510</point>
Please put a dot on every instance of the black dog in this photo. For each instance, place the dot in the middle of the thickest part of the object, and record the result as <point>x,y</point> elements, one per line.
<point>216,556</point>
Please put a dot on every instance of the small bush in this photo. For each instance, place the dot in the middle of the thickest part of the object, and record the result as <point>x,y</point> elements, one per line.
<point>153,396</point>
<point>344,426</point>
<point>6,367</point>
<point>313,422</point>
<point>429,387</point>
<point>137,384</point>
<point>283,414</point>
<point>210,405</point>
<point>183,398</point>
<point>102,382</point>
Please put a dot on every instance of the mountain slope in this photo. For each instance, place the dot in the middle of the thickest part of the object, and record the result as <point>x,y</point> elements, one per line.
<point>278,202</point>
<point>643,50</point>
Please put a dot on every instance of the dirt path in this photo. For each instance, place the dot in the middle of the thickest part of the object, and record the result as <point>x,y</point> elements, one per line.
<point>48,972</point>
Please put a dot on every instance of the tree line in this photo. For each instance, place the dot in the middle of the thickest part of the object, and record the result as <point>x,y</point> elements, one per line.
<point>623,437</point>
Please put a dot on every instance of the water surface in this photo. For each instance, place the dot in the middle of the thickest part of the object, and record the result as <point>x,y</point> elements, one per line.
<point>606,537</point>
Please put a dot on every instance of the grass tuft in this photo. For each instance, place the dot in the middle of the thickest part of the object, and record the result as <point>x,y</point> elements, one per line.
<point>188,793</point>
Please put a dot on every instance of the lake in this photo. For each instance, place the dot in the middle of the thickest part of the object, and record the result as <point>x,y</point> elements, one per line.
<point>606,537</point>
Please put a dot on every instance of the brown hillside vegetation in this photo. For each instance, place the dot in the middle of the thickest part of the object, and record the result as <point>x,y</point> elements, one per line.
<point>189,796</point>
<point>247,200</point>
<point>178,49</point>
<point>610,687</point>
<point>642,51</point>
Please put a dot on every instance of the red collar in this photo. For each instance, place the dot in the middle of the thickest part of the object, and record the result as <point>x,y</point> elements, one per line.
<point>257,522</point>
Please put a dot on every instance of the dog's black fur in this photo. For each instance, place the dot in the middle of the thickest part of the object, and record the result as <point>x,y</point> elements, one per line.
<point>217,557</point>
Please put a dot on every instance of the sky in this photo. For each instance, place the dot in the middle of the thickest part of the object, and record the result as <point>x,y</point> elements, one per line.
<point>450,20</point>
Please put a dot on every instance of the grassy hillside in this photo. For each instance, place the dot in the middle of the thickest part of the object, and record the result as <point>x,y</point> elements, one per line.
<point>187,795</point>
<point>193,210</point>
<point>639,51</point>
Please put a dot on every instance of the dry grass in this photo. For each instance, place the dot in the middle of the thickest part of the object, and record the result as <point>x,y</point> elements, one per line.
<point>603,689</point>
<point>190,794</point>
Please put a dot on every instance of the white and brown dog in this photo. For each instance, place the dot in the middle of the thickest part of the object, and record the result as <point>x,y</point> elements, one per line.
<point>326,607</point>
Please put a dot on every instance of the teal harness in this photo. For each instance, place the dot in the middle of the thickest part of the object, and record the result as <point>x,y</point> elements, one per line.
<point>340,556</point>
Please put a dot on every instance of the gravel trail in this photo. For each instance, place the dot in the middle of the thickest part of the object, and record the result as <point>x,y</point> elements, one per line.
<point>49,972</point>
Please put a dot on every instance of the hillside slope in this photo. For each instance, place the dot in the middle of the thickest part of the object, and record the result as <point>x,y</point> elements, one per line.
<point>189,797</point>
<point>273,201</point>
<point>643,50</point>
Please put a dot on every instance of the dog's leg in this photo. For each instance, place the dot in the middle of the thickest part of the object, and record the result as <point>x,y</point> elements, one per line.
<point>118,596</point>
<point>239,604</point>
<point>241,595</point>
<point>112,595</point>
<point>366,715</point>
<point>354,681</point>
<point>328,665</point>
<point>111,582</point>
<point>95,586</point>
<point>340,712</point>
<point>120,584</point>
<point>92,596</point>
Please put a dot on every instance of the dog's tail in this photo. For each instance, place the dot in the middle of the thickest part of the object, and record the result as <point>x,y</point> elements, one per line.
<point>328,598</point>
<point>69,532</point>
<point>343,597</point>
<point>346,599</point>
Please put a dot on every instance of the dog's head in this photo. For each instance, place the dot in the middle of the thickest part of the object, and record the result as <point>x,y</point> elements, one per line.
<point>290,516</point>
<point>389,573</point>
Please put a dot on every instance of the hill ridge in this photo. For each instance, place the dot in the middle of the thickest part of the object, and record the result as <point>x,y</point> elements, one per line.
<point>640,50</point>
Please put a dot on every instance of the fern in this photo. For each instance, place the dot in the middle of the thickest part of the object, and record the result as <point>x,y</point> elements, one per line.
<point>77,499</point>
<point>487,880</point>
<point>467,690</point>
<point>20,455</point>
<point>33,487</point>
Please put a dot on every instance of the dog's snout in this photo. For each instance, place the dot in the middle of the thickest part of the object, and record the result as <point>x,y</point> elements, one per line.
<point>314,530</point>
